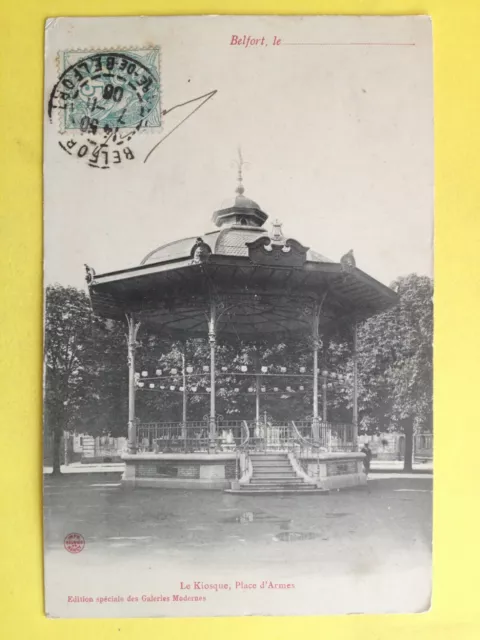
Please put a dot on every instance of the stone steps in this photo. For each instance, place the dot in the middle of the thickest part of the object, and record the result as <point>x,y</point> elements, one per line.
<point>276,471</point>
<point>273,473</point>
<point>248,490</point>
<point>269,464</point>
<point>273,482</point>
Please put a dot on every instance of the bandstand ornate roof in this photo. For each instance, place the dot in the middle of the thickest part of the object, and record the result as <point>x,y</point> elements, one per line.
<point>262,283</point>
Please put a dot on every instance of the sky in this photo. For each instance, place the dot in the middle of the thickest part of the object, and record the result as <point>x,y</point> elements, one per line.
<point>337,135</point>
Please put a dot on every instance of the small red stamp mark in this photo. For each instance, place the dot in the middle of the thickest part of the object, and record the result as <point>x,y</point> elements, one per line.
<point>74,542</point>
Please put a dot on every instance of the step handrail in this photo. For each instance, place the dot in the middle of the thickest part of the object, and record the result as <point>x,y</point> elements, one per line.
<point>314,447</point>
<point>305,441</point>
<point>246,433</point>
<point>242,448</point>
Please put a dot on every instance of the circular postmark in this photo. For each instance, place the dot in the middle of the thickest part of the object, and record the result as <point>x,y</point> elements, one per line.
<point>102,100</point>
<point>109,89</point>
<point>74,542</point>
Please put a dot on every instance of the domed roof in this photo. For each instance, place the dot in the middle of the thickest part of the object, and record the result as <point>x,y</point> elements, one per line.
<point>240,220</point>
<point>239,201</point>
<point>229,241</point>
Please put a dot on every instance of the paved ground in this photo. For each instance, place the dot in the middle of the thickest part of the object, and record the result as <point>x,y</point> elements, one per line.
<point>358,550</point>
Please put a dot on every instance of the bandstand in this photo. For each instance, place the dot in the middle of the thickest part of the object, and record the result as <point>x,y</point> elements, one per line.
<point>239,282</point>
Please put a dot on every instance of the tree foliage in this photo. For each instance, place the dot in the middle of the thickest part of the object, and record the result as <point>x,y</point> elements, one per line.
<point>85,383</point>
<point>395,352</point>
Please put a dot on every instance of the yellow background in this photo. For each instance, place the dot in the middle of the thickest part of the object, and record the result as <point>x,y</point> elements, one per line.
<point>456,30</point>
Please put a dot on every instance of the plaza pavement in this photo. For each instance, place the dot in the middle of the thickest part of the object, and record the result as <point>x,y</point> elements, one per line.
<point>366,549</point>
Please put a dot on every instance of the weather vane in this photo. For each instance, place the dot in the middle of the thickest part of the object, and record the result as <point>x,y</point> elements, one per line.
<point>240,164</point>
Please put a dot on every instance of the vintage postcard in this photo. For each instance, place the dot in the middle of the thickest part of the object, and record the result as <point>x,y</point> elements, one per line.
<point>238,316</point>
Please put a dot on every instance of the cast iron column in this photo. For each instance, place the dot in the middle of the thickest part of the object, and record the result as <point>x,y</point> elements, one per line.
<point>324,399</point>
<point>355,388</point>
<point>132,346</point>
<point>184,396</point>
<point>316,346</point>
<point>212,339</point>
<point>257,388</point>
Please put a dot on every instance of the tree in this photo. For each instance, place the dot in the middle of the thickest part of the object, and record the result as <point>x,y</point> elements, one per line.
<point>395,363</point>
<point>85,369</point>
<point>67,360</point>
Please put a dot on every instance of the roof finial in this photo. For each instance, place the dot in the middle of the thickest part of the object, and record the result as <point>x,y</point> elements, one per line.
<point>277,234</point>
<point>240,164</point>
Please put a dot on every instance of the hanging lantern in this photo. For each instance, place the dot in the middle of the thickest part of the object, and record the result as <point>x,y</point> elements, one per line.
<point>151,385</point>
<point>172,388</point>
<point>158,372</point>
<point>275,389</point>
<point>194,389</point>
<point>208,389</point>
<point>162,386</point>
<point>244,368</point>
<point>144,374</point>
<point>301,388</point>
<point>173,372</point>
<point>206,368</point>
<point>302,369</point>
<point>141,384</point>
<point>250,389</point>
<point>236,390</point>
<point>264,369</point>
<point>289,389</point>
<point>324,373</point>
<point>263,389</point>
<point>283,369</point>
<point>181,388</point>
<point>189,369</point>
<point>224,368</point>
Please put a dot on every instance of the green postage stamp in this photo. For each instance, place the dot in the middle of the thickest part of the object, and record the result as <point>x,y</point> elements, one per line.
<point>109,90</point>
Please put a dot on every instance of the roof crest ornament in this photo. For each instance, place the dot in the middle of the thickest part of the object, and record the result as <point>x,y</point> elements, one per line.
<point>275,246</point>
<point>347,261</point>
<point>89,275</point>
<point>277,233</point>
<point>200,252</point>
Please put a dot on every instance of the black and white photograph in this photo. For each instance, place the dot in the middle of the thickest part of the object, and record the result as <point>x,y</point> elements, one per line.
<point>238,316</point>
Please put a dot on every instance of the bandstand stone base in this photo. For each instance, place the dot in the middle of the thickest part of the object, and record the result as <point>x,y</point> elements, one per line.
<point>213,471</point>
<point>216,471</point>
<point>335,470</point>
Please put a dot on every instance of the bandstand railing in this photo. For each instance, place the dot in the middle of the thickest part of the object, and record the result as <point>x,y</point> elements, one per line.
<point>191,436</point>
<point>232,435</point>
<point>331,436</point>
<point>173,436</point>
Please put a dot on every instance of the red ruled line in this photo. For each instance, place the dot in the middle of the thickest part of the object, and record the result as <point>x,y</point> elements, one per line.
<point>348,44</point>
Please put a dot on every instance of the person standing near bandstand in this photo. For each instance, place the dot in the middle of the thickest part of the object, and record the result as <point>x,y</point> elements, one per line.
<point>368,457</point>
